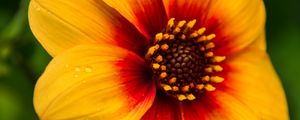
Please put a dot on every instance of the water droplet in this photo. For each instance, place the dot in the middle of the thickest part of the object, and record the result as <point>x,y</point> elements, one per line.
<point>76,75</point>
<point>88,69</point>
<point>77,69</point>
<point>84,81</point>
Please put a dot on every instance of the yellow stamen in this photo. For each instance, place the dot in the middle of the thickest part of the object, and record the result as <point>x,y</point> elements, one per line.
<point>175,88</point>
<point>211,36</point>
<point>201,30</point>
<point>163,75</point>
<point>173,80</point>
<point>194,35</point>
<point>159,58</point>
<point>170,23</point>
<point>189,25</point>
<point>183,37</point>
<point>163,68</point>
<point>166,87</point>
<point>200,86</point>
<point>165,47</point>
<point>158,37</point>
<point>218,58</point>
<point>155,66</point>
<point>166,36</point>
<point>209,54</point>
<point>210,45</point>
<point>176,30</point>
<point>208,70</point>
<point>171,37</point>
<point>202,49</point>
<point>201,39</point>
<point>205,78</point>
<point>216,79</point>
<point>192,85</point>
<point>185,88</point>
<point>181,23</point>
<point>181,97</point>
<point>191,97</point>
<point>209,87</point>
<point>217,68</point>
<point>151,51</point>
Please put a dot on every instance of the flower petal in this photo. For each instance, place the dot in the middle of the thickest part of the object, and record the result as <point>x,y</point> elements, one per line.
<point>163,108</point>
<point>62,24</point>
<point>147,15</point>
<point>255,84</point>
<point>94,82</point>
<point>251,91</point>
<point>236,23</point>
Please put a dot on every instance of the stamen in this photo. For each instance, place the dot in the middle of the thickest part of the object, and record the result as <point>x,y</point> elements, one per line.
<point>172,80</point>
<point>181,97</point>
<point>158,37</point>
<point>159,58</point>
<point>185,88</point>
<point>217,68</point>
<point>171,37</point>
<point>166,36</point>
<point>216,79</point>
<point>201,31</point>
<point>155,66</point>
<point>181,23</point>
<point>176,30</point>
<point>210,45</point>
<point>191,97</point>
<point>200,87</point>
<point>163,75</point>
<point>193,35</point>
<point>163,68</point>
<point>209,54</point>
<point>205,78</point>
<point>165,47</point>
<point>175,88</point>
<point>202,39</point>
<point>170,24</point>
<point>167,87</point>
<point>218,58</point>
<point>189,25</point>
<point>183,62</point>
<point>209,87</point>
<point>211,36</point>
<point>208,70</point>
<point>151,51</point>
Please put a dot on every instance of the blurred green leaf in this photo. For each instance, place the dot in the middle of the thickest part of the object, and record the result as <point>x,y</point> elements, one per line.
<point>17,25</point>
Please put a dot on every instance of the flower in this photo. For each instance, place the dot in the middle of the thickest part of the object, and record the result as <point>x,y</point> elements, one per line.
<point>155,60</point>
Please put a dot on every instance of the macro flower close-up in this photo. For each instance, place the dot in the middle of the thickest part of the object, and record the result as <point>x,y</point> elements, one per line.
<point>155,60</point>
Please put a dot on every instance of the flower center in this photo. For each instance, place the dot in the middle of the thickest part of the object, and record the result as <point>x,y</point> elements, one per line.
<point>183,62</point>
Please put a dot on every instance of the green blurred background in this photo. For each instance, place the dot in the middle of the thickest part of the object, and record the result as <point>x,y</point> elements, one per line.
<point>22,59</point>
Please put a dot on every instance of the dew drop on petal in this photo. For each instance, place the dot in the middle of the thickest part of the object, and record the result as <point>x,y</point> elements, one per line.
<point>76,76</point>
<point>88,69</point>
<point>77,69</point>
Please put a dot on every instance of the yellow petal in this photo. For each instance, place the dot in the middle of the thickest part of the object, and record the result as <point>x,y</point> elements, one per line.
<point>94,82</point>
<point>236,23</point>
<point>61,24</point>
<point>147,15</point>
<point>255,84</point>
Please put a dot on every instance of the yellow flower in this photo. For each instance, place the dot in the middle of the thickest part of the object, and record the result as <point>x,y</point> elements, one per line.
<point>155,60</point>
